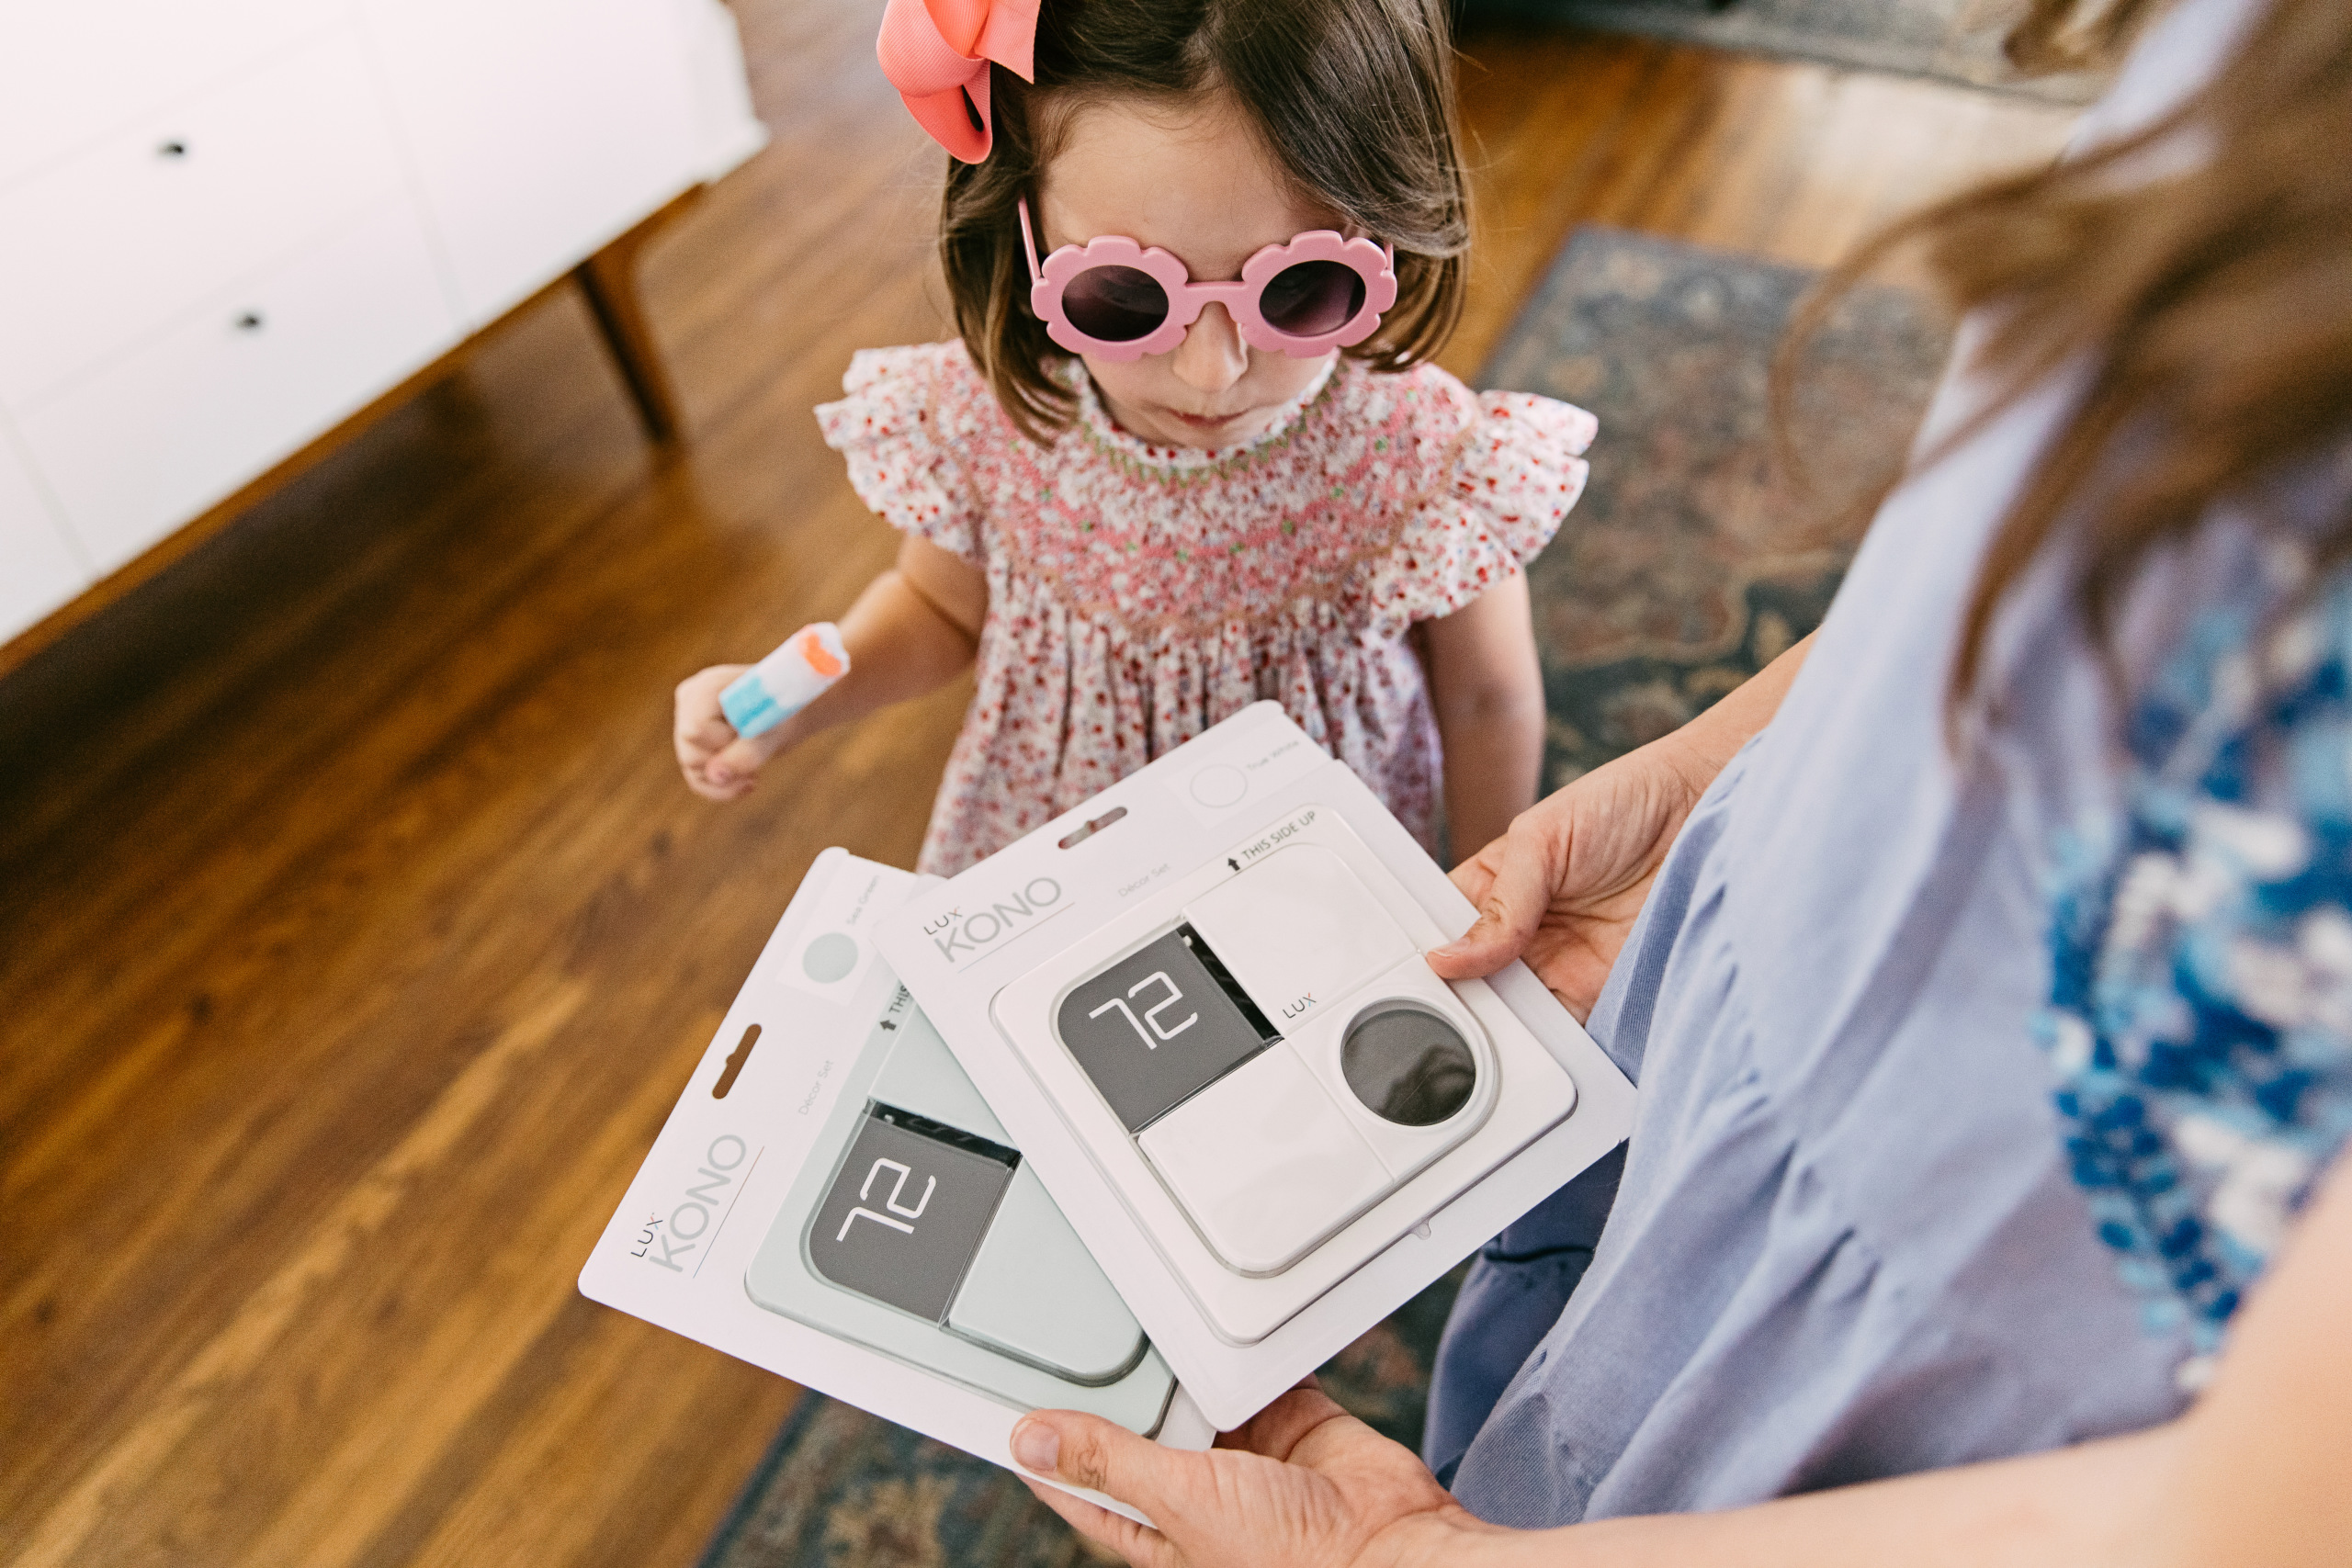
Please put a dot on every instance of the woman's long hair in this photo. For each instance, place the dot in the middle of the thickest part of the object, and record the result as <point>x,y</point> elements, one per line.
<point>2199,272</point>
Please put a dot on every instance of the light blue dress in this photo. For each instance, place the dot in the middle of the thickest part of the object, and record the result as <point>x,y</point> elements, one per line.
<point>1969,1105</point>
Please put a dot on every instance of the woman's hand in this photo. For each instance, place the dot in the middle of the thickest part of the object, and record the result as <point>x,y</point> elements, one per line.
<point>1304,1484</point>
<point>1561,888</point>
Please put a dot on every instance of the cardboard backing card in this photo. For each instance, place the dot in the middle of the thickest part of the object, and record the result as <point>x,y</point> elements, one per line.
<point>831,1199</point>
<point>1198,1004</point>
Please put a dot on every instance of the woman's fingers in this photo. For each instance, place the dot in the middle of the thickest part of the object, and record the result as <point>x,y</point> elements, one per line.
<point>1302,1483</point>
<point>1121,1534</point>
<point>1517,890</point>
<point>1086,1451</point>
<point>1474,875</point>
<point>1277,1430</point>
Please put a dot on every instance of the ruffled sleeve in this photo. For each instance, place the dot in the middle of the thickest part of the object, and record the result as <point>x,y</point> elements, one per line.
<point>1516,471</point>
<point>899,427</point>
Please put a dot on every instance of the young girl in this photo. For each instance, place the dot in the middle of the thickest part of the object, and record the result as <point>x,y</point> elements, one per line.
<point>1189,452</point>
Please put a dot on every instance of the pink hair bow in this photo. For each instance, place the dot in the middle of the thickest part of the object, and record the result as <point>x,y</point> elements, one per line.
<point>936,52</point>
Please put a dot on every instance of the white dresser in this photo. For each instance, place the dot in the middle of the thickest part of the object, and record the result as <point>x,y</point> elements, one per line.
<point>229,226</point>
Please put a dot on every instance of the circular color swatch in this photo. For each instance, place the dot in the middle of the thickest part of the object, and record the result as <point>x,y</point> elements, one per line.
<point>1219,785</point>
<point>829,957</point>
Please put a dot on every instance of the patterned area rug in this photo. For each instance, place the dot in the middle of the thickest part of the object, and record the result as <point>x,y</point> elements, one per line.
<point>1688,565</point>
<point>1692,561</point>
<point>1955,40</point>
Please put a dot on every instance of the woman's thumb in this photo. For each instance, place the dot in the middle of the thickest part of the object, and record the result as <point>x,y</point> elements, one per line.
<point>1086,1451</point>
<point>1508,914</point>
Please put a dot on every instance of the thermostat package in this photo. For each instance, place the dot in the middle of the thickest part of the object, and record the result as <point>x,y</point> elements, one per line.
<point>1198,1002</point>
<point>833,1201</point>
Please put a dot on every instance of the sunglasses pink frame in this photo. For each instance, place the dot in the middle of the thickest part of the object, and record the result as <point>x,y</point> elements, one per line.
<point>1376,265</point>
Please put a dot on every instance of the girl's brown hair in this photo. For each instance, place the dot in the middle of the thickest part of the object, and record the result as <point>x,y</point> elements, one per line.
<point>2198,273</point>
<point>1355,98</point>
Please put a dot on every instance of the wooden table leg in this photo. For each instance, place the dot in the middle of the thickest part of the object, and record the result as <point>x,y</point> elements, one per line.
<point>608,279</point>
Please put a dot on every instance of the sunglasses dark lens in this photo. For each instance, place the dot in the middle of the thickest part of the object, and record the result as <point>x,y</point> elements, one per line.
<point>1311,299</point>
<point>1114,304</point>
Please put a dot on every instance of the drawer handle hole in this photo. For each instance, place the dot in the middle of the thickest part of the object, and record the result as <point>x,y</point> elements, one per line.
<point>250,321</point>
<point>174,148</point>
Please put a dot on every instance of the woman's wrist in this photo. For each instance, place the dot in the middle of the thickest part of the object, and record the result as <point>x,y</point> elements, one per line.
<point>1446,1537</point>
<point>1693,766</point>
<point>1701,749</point>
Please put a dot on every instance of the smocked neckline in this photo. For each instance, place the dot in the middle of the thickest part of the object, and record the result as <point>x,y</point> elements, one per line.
<point>1095,419</point>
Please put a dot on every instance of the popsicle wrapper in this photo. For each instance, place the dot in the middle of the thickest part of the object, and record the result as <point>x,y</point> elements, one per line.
<point>786,680</point>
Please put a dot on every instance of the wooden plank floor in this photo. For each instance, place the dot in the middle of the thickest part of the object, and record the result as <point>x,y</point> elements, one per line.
<point>355,933</point>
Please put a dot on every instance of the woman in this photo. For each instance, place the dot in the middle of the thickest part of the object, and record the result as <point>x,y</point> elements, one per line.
<point>1992,1009</point>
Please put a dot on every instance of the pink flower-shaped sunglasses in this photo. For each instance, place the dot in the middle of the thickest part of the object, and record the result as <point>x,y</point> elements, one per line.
<point>1111,297</point>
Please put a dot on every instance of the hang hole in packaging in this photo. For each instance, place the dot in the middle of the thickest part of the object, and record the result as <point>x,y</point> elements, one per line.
<point>735,1060</point>
<point>1087,829</point>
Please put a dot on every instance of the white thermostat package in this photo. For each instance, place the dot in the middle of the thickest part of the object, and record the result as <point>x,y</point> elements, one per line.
<point>1198,1002</point>
<point>833,1201</point>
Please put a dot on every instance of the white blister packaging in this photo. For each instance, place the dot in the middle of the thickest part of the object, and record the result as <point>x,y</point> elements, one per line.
<point>1198,1003</point>
<point>831,1199</point>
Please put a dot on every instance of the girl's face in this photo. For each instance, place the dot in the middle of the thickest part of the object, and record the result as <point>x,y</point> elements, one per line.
<point>1192,179</point>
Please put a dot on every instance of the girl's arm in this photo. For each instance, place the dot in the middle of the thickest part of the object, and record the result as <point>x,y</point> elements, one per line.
<point>915,628</point>
<point>1488,691</point>
<point>2254,1473</point>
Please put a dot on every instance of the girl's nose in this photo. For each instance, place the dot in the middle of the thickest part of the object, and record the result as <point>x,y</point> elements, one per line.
<point>1211,356</point>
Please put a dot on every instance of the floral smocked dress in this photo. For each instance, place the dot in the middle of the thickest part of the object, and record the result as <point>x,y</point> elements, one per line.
<point>1137,594</point>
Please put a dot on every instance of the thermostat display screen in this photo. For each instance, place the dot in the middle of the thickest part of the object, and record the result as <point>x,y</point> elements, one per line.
<point>906,1213</point>
<point>1154,1028</point>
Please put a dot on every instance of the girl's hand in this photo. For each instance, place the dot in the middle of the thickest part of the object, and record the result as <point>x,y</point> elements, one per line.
<point>1561,888</point>
<point>915,628</point>
<point>719,763</point>
<point>1304,1484</point>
